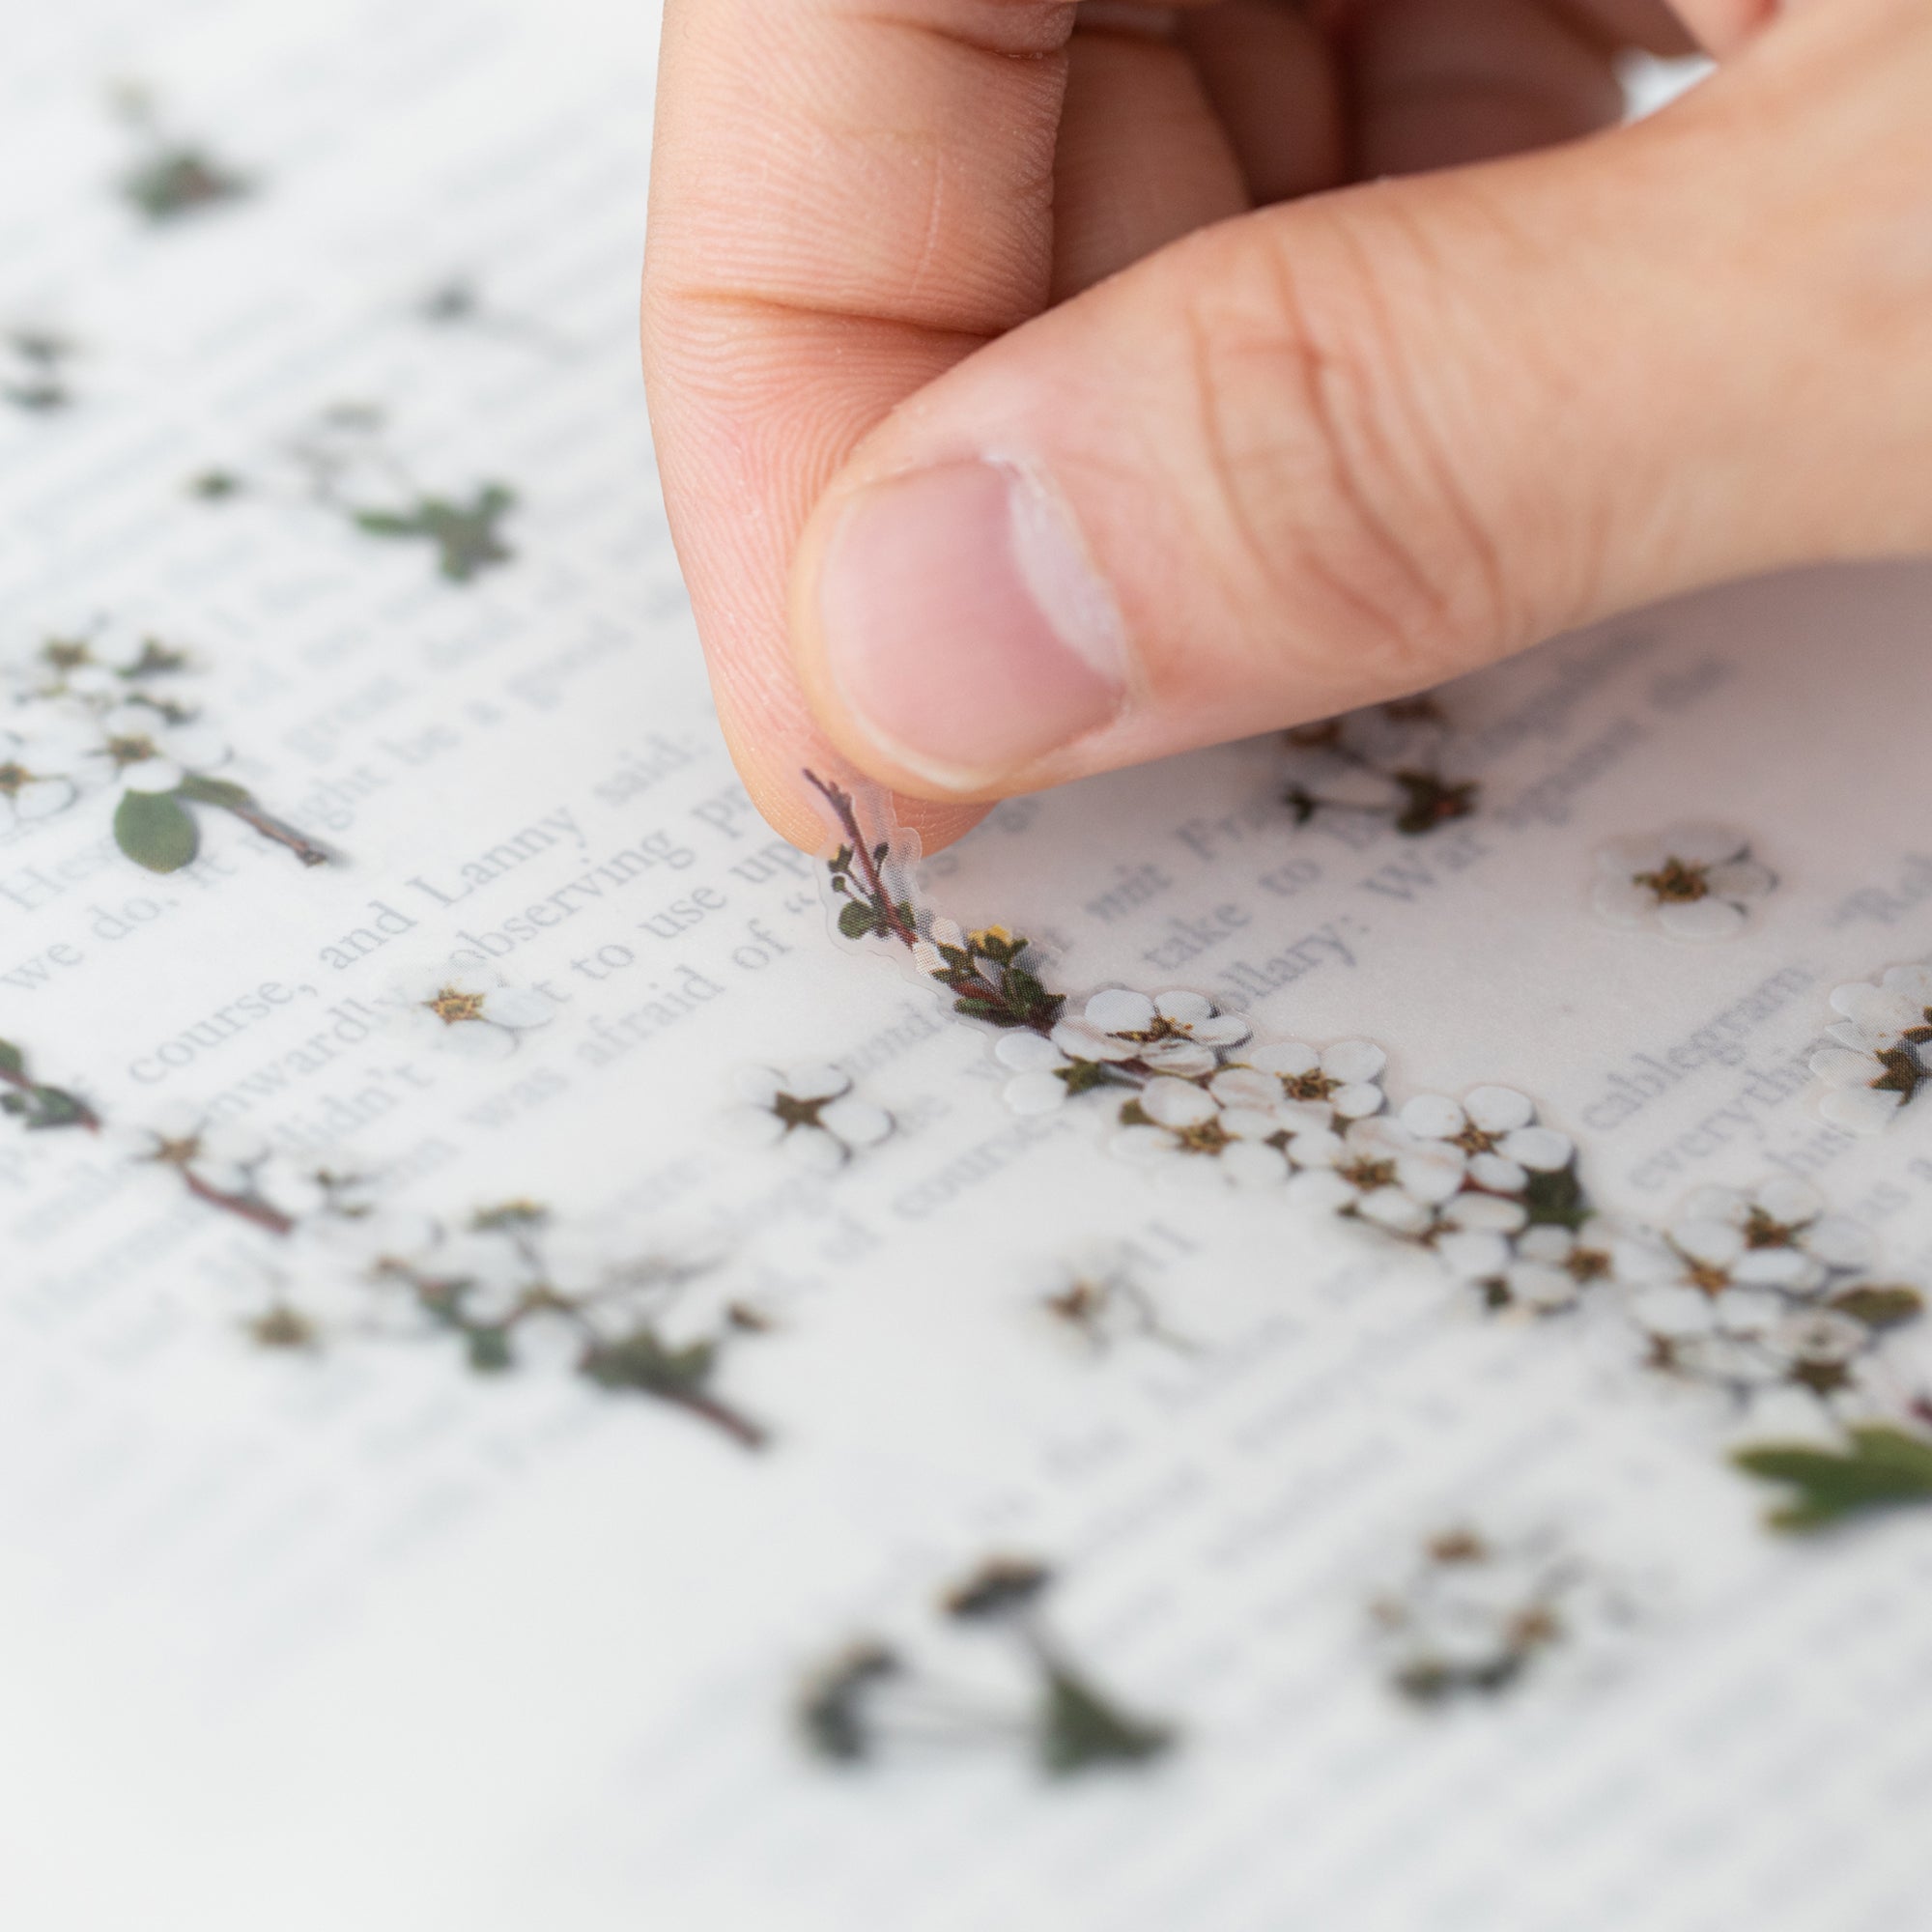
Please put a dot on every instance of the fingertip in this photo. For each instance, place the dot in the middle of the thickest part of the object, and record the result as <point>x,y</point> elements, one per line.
<point>772,775</point>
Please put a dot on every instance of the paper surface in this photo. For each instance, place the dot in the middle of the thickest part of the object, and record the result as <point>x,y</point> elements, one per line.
<point>359,1633</point>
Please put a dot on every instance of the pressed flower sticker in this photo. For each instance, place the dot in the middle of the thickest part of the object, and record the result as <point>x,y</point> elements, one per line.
<point>113,715</point>
<point>869,1697</point>
<point>1477,1615</point>
<point>1771,1300</point>
<point>468,1010</point>
<point>1382,764</point>
<point>811,1113</point>
<point>346,466</point>
<point>1098,1296</point>
<point>1881,1057</point>
<point>172,178</point>
<point>1692,882</point>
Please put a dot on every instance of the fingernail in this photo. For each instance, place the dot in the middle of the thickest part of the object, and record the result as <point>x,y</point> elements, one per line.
<point>964,627</point>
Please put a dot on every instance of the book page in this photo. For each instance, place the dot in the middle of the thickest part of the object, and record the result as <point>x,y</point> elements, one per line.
<point>1176,1364</point>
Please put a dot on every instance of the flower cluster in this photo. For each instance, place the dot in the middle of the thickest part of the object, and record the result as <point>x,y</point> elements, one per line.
<point>508,1282</point>
<point>1475,1615</point>
<point>1764,1296</point>
<point>1767,1294</point>
<point>1881,1054</point>
<point>1480,1182</point>
<point>109,717</point>
<point>342,464</point>
<point>1694,882</point>
<point>870,1696</point>
<point>1384,763</point>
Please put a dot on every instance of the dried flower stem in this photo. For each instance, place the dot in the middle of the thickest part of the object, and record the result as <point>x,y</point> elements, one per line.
<point>280,832</point>
<point>249,1207</point>
<point>848,814</point>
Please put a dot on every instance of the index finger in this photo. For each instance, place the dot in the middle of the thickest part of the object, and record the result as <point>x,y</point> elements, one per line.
<point>847,197</point>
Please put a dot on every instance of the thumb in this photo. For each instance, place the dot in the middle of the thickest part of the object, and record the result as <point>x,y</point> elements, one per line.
<point>1330,452</point>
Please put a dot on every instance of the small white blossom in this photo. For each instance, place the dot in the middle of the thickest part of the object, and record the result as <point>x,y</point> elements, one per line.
<point>1379,1170</point>
<point>1692,882</point>
<point>226,1158</point>
<point>140,749</point>
<point>1495,1129</point>
<point>1883,1051</point>
<point>1552,1267</point>
<point>36,774</point>
<point>1177,1032</point>
<point>1344,1079</point>
<point>1036,1066</point>
<point>1179,1127</point>
<point>1778,1235</point>
<point>809,1112</point>
<point>467,1010</point>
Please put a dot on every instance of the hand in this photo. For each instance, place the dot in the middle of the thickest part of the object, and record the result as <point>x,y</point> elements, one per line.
<point>1034,395</point>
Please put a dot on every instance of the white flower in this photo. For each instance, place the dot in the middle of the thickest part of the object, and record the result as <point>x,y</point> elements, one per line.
<point>1181,1129</point>
<point>1381,1171</point>
<point>1778,1235</point>
<point>1177,1032</point>
<point>1036,1066</point>
<point>139,748</point>
<point>1552,1267</point>
<point>809,1112</point>
<point>1494,1127</point>
<point>1345,1079</point>
<point>468,1010</point>
<point>1883,1049</point>
<point>1691,882</point>
<point>36,779</point>
<point>223,1158</point>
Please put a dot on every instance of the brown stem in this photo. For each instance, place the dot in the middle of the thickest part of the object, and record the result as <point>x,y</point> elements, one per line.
<point>741,1429</point>
<point>243,1207</point>
<point>283,833</point>
<point>841,804</point>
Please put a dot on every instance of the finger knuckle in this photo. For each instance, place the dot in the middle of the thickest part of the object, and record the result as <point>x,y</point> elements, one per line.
<point>1332,492</point>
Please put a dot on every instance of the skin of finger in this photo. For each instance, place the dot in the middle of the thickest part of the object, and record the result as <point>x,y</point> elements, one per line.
<point>1271,77</point>
<point>1440,82</point>
<point>1425,423</point>
<point>845,201</point>
<point>1142,159</point>
<point>1723,26</point>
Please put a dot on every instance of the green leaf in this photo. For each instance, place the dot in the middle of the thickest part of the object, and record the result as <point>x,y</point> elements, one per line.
<point>488,1350</point>
<point>1080,1729</point>
<point>1883,1469</point>
<point>203,790</point>
<point>155,830</point>
<point>857,920</point>
<point>1880,1307</point>
<point>47,1107</point>
<point>977,1006</point>
<point>387,524</point>
<point>1556,1200</point>
<point>1022,989</point>
<point>1082,1078</point>
<point>642,1361</point>
<point>11,1058</point>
